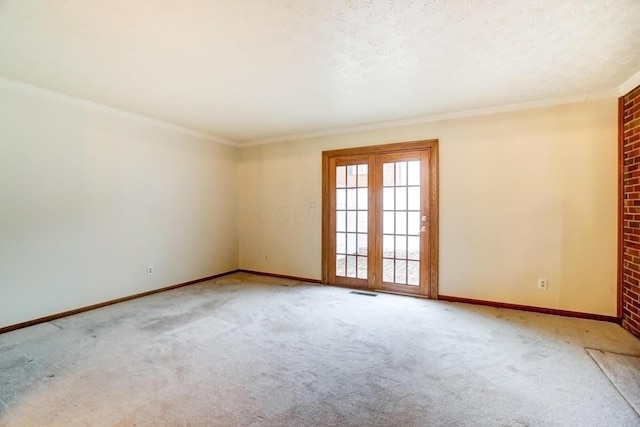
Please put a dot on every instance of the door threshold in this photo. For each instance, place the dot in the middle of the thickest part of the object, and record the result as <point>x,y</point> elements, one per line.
<point>404,294</point>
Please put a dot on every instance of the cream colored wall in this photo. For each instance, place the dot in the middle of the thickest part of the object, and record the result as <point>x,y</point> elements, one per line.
<point>523,195</point>
<point>89,199</point>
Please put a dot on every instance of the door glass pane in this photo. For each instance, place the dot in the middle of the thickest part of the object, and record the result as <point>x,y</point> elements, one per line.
<point>401,198</point>
<point>341,243</point>
<point>413,247</point>
<point>341,177</point>
<point>388,220</point>
<point>387,174</point>
<point>341,198</point>
<point>401,173</point>
<point>401,223</point>
<point>363,175</point>
<point>401,272</point>
<point>363,248</point>
<point>341,221</point>
<point>413,223</point>
<point>352,221</point>
<point>362,267</point>
<point>352,175</point>
<point>413,198</point>
<point>363,221</point>
<point>388,246</point>
<point>388,271</point>
<point>401,247</point>
<point>413,273</point>
<point>352,195</point>
<point>413,172</point>
<point>351,266</point>
<point>363,198</point>
<point>388,199</point>
<point>341,265</point>
<point>351,243</point>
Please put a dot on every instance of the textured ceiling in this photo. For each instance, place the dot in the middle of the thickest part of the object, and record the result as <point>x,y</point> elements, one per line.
<point>254,69</point>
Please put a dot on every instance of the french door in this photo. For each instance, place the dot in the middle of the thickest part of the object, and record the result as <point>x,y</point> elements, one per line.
<point>380,218</point>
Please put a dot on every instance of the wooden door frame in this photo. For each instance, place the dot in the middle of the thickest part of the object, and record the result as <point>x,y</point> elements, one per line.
<point>432,145</point>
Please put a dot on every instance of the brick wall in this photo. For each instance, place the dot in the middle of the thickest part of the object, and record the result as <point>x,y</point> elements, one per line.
<point>630,211</point>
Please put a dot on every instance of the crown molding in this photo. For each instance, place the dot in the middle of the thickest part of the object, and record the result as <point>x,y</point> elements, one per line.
<point>632,83</point>
<point>25,88</point>
<point>589,96</point>
<point>28,89</point>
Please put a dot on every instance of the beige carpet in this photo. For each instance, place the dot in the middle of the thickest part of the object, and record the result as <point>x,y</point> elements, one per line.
<point>624,373</point>
<point>247,351</point>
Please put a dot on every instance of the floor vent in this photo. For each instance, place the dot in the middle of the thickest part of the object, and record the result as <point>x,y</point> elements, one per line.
<point>364,293</point>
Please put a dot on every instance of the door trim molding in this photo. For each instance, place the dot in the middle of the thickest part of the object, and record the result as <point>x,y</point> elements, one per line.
<point>432,145</point>
<point>382,149</point>
<point>621,248</point>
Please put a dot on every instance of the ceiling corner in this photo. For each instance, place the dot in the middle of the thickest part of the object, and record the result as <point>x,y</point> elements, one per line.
<point>28,89</point>
<point>630,84</point>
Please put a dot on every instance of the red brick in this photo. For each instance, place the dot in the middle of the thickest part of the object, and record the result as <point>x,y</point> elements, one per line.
<point>632,110</point>
<point>631,251</point>
<point>631,132</point>
<point>631,142</point>
<point>630,262</point>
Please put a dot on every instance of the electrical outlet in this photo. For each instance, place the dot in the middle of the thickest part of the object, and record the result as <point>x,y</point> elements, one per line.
<point>543,283</point>
<point>150,270</point>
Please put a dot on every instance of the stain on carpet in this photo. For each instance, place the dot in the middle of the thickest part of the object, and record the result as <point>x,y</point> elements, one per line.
<point>201,330</point>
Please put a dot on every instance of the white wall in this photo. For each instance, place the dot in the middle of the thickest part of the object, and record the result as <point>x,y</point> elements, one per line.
<point>523,195</point>
<point>89,199</point>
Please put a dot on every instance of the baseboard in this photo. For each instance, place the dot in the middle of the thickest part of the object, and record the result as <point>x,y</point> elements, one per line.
<point>106,303</point>
<point>448,298</point>
<point>280,276</point>
<point>544,310</point>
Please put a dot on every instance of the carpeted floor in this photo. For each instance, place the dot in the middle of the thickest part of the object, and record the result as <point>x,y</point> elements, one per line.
<point>254,351</point>
<point>624,373</point>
